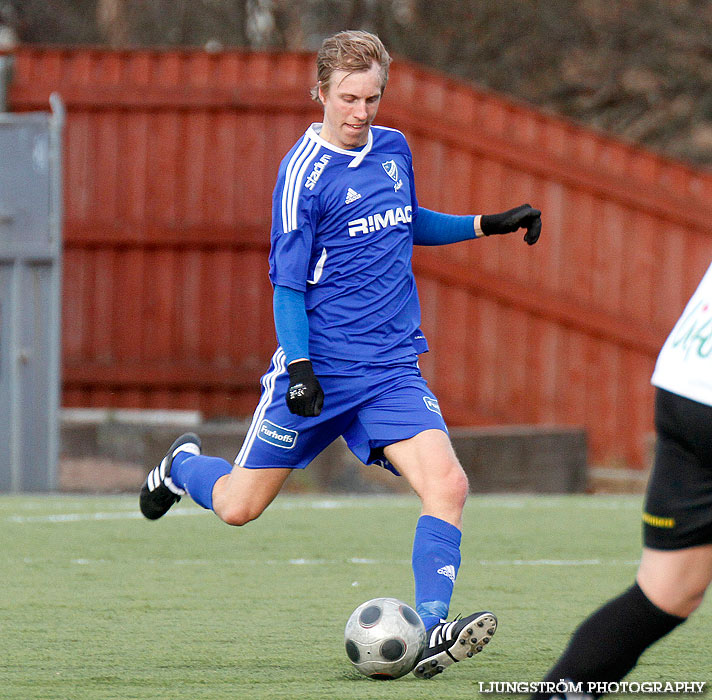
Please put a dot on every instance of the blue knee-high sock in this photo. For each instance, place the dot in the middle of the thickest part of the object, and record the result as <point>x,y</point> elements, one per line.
<point>436,561</point>
<point>197,474</point>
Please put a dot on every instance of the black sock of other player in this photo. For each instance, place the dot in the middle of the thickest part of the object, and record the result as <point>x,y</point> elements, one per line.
<point>608,644</point>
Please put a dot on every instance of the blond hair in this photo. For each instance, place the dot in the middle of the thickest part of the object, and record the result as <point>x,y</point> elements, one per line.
<point>350,51</point>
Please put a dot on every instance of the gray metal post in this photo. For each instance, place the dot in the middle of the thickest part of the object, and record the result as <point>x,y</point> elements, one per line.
<point>30,279</point>
<point>5,76</point>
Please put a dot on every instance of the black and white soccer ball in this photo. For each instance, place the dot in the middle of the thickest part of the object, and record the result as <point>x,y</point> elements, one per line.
<point>384,638</point>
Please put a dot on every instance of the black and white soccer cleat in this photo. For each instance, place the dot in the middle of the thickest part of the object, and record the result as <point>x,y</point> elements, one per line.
<point>159,492</point>
<point>449,642</point>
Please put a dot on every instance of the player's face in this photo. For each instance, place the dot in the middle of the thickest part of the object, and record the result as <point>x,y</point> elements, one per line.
<point>350,106</point>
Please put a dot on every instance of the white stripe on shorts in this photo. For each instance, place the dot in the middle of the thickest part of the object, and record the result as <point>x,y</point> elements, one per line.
<point>268,383</point>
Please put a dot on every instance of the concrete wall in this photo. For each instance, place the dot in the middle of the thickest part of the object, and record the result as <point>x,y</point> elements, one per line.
<point>112,451</point>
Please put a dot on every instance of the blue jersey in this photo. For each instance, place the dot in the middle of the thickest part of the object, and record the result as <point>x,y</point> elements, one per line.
<point>342,234</point>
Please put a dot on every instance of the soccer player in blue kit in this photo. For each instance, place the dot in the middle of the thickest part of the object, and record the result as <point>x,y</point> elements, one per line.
<point>344,221</point>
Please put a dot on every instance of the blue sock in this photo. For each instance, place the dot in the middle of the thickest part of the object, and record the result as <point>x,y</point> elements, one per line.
<point>197,474</point>
<point>436,560</point>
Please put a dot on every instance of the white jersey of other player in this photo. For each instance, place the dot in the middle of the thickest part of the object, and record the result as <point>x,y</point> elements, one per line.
<point>684,366</point>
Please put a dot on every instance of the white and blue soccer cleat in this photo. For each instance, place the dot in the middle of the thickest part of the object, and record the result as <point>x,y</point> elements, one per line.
<point>449,642</point>
<point>159,493</point>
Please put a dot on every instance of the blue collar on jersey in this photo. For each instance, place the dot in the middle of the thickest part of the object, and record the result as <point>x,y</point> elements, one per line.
<point>357,156</point>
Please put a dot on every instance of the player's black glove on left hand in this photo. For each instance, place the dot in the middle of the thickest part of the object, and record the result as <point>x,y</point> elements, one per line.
<point>305,396</point>
<point>523,216</point>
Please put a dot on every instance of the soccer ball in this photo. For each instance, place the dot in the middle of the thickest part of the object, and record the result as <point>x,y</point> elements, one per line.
<point>384,638</point>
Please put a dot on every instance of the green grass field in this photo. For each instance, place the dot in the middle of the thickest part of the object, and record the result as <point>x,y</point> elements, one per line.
<point>98,603</point>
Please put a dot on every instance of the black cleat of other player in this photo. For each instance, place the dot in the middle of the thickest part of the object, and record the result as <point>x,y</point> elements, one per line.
<point>158,492</point>
<point>449,642</point>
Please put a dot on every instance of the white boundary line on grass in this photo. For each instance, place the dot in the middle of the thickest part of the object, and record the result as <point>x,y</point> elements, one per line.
<point>83,517</point>
<point>531,502</point>
<point>372,562</point>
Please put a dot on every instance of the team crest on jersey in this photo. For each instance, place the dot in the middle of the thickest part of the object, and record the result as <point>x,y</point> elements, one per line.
<point>391,169</point>
<point>277,435</point>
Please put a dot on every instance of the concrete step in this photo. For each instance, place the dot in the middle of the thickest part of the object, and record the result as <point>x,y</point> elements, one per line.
<point>112,450</point>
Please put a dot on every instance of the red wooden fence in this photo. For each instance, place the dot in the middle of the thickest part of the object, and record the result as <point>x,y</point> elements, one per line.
<point>170,161</point>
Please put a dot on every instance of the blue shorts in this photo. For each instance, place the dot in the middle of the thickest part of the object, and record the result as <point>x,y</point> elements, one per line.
<point>370,405</point>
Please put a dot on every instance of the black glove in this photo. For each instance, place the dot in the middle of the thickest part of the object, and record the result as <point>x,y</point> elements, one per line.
<point>523,216</point>
<point>304,396</point>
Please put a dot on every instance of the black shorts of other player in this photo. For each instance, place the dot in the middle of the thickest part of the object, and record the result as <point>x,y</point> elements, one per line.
<point>678,504</point>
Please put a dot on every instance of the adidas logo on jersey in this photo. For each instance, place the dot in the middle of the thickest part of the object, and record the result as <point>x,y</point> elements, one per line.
<point>351,196</point>
<point>448,571</point>
<point>376,222</point>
